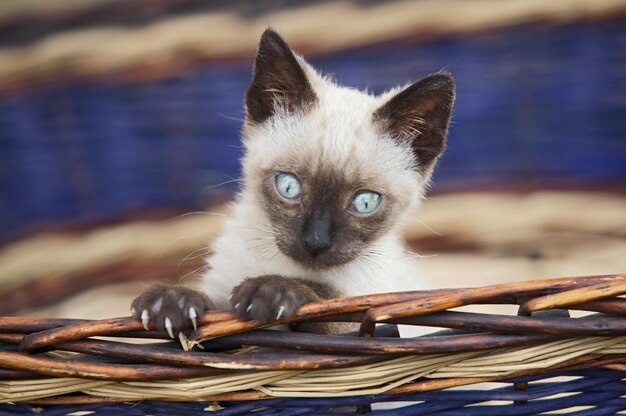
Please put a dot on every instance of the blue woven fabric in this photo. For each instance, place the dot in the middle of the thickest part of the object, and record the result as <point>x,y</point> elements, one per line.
<point>536,104</point>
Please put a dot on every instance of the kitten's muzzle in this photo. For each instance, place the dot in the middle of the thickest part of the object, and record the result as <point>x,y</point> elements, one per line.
<point>317,236</point>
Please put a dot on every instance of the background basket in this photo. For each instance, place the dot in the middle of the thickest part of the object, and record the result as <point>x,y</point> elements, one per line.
<point>98,133</point>
<point>48,362</point>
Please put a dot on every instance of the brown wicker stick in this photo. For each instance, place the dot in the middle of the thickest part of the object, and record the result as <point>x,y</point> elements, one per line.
<point>211,317</point>
<point>230,327</point>
<point>17,375</point>
<point>28,325</point>
<point>467,321</point>
<point>74,330</point>
<point>71,399</point>
<point>616,306</point>
<point>591,361</point>
<point>259,361</point>
<point>11,338</point>
<point>461,297</point>
<point>96,371</point>
<point>513,293</point>
<point>599,291</point>
<point>131,353</point>
<point>78,331</point>
<point>31,325</point>
<point>385,346</point>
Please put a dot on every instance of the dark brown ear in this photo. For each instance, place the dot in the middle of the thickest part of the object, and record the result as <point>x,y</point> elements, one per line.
<point>278,81</point>
<point>420,115</point>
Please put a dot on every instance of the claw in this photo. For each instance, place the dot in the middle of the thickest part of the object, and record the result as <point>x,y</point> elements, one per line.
<point>168,326</point>
<point>237,305</point>
<point>145,318</point>
<point>193,315</point>
<point>249,308</point>
<point>133,311</point>
<point>280,311</point>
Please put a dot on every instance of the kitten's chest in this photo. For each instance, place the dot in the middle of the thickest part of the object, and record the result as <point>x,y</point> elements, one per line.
<point>388,275</point>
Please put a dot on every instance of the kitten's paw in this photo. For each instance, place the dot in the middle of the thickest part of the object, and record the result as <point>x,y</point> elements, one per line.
<point>170,308</point>
<point>267,298</point>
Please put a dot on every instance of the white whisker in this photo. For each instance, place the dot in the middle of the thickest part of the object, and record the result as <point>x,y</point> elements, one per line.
<point>202,252</point>
<point>428,227</point>
<point>241,120</point>
<point>206,188</point>
<point>219,214</point>
<point>166,246</point>
<point>199,270</point>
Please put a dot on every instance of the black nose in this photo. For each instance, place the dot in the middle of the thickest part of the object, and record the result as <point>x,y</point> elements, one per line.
<point>317,243</point>
<point>317,238</point>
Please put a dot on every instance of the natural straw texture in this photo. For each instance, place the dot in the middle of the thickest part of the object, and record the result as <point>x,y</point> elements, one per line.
<point>56,358</point>
<point>171,43</point>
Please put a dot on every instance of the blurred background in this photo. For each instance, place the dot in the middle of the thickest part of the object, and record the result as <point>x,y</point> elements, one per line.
<point>119,135</point>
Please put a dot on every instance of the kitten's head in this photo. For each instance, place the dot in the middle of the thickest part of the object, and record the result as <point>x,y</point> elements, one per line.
<point>334,169</point>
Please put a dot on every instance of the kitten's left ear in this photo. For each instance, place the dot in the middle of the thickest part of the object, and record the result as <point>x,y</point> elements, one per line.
<point>279,81</point>
<point>419,115</point>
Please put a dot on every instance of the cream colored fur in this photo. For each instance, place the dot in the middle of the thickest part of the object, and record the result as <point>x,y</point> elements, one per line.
<point>338,131</point>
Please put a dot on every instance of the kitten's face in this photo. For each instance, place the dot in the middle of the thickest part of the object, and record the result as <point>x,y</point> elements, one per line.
<point>323,217</point>
<point>322,225</point>
<point>333,169</point>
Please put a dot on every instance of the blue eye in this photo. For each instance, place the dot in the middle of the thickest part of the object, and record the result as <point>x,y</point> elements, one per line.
<point>366,202</point>
<point>287,185</point>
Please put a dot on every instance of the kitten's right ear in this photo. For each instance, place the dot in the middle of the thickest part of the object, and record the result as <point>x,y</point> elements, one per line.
<point>419,115</point>
<point>278,82</point>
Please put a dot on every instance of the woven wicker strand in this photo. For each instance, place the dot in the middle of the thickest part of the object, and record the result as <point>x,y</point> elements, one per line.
<point>166,42</point>
<point>57,361</point>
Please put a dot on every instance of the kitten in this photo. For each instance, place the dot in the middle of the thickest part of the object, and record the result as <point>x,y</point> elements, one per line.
<point>330,177</point>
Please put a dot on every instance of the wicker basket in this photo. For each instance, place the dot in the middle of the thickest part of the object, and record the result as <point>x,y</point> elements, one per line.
<point>56,366</point>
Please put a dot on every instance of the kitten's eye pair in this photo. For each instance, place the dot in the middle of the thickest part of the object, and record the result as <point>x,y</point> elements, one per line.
<point>288,186</point>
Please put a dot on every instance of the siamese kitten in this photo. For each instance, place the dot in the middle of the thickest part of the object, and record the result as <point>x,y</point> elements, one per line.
<point>330,177</point>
